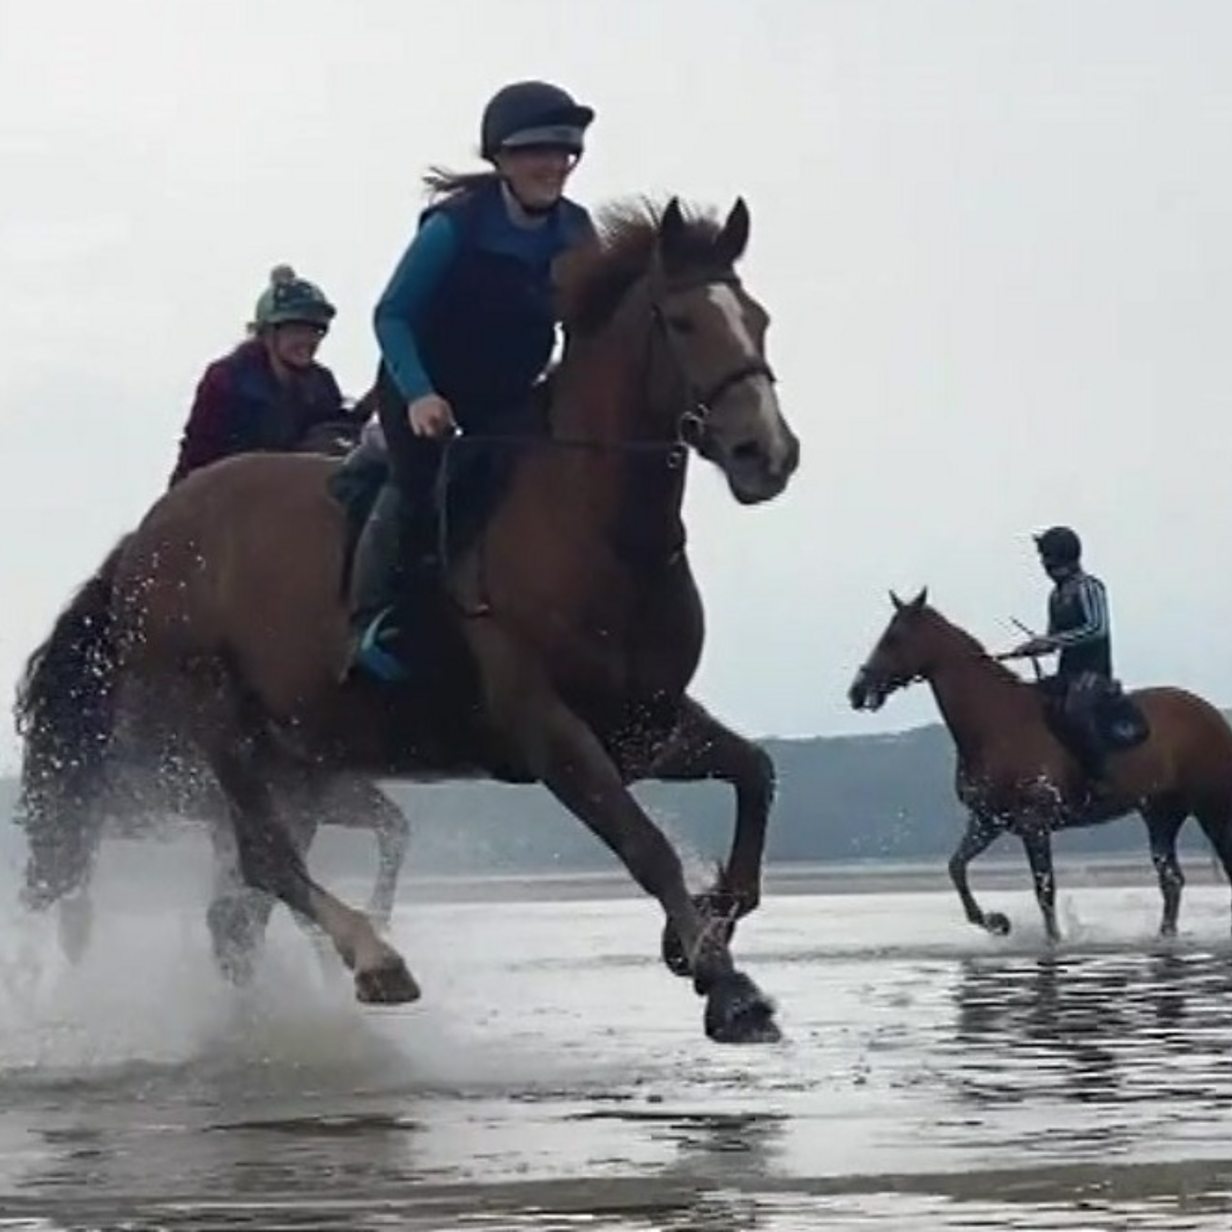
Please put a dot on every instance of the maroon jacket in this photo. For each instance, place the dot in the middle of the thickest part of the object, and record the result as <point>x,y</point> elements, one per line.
<point>241,406</point>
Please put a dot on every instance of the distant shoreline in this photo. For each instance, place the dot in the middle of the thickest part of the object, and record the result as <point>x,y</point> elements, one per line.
<point>860,877</point>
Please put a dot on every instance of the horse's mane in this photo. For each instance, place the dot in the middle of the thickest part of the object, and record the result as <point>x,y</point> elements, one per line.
<point>970,644</point>
<point>594,278</point>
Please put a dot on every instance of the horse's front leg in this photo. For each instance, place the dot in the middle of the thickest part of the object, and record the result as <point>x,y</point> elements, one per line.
<point>561,750</point>
<point>980,832</point>
<point>1038,844</point>
<point>703,748</point>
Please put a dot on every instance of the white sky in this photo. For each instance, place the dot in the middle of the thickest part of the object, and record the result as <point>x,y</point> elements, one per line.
<point>994,238</point>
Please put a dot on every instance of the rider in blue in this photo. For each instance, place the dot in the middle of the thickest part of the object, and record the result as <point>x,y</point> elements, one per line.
<point>466,327</point>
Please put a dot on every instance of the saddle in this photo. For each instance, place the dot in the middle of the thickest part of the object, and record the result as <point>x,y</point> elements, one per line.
<point>1113,721</point>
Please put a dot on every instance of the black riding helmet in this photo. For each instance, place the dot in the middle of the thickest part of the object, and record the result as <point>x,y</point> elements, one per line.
<point>530,113</point>
<point>1059,545</point>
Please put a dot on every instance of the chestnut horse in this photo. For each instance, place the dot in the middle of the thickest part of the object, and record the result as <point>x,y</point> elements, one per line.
<point>569,628</point>
<point>1015,776</point>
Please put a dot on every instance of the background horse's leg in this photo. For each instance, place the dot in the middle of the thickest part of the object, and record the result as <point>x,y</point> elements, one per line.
<point>1215,817</point>
<point>562,752</point>
<point>238,914</point>
<point>703,748</point>
<point>1037,841</point>
<point>1164,819</point>
<point>357,802</point>
<point>980,832</point>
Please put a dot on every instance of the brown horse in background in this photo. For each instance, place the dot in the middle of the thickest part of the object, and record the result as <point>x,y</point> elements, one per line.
<point>1015,776</point>
<point>569,630</point>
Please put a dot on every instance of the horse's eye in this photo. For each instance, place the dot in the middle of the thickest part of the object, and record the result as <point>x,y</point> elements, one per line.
<point>681,324</point>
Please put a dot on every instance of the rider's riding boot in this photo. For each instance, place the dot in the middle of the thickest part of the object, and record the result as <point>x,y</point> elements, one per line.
<point>378,579</point>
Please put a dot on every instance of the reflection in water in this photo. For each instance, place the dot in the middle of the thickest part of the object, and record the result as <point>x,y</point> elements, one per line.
<point>1119,1027</point>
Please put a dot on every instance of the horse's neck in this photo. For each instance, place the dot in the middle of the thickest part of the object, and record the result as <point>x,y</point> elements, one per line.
<point>623,478</point>
<point>976,697</point>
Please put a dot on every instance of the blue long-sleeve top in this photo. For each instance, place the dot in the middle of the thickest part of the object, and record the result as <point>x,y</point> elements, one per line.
<point>401,308</point>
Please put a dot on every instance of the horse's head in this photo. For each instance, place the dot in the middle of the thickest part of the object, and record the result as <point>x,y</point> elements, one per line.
<point>692,336</point>
<point>903,654</point>
<point>714,333</point>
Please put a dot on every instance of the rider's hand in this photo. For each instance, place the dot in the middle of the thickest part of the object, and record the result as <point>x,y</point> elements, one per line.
<point>1031,649</point>
<point>430,415</point>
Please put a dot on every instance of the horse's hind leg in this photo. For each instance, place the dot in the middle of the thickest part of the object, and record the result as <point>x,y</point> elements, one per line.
<point>238,914</point>
<point>1215,818</point>
<point>1163,822</point>
<point>1038,844</point>
<point>702,748</point>
<point>980,832</point>
<point>269,861</point>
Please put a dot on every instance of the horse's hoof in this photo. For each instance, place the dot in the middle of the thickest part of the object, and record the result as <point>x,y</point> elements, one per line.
<point>738,1012</point>
<point>997,924</point>
<point>388,984</point>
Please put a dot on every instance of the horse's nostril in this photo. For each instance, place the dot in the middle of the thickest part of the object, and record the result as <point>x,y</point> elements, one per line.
<point>746,451</point>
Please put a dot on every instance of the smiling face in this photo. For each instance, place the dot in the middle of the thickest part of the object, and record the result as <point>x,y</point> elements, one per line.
<point>295,343</point>
<point>536,174</point>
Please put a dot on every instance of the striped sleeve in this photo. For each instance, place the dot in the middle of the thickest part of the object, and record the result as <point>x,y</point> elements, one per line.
<point>1093,599</point>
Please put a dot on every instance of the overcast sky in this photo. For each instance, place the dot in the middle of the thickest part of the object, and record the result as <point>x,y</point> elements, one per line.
<point>994,238</point>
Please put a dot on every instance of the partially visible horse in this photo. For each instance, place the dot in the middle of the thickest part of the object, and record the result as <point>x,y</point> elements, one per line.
<point>146,787</point>
<point>1015,776</point>
<point>567,631</point>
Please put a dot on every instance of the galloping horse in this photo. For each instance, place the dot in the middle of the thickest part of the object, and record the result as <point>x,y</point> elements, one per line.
<point>569,628</point>
<point>1014,775</point>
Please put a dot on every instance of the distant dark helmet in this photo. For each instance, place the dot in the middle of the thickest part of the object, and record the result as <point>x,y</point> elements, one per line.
<point>533,113</point>
<point>1059,546</point>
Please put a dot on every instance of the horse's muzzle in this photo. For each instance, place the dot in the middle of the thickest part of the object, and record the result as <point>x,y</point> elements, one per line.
<point>865,693</point>
<point>756,473</point>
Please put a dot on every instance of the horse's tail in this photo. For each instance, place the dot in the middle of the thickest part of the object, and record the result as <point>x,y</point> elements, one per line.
<point>65,710</point>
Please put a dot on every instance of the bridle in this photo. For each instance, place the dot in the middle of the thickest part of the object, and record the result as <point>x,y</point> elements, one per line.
<point>693,421</point>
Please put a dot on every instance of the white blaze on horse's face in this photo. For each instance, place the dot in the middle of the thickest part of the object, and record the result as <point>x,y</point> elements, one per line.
<point>745,432</point>
<point>767,407</point>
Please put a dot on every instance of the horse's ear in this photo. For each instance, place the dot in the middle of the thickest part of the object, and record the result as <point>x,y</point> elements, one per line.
<point>731,242</point>
<point>672,230</point>
<point>920,600</point>
<point>898,603</point>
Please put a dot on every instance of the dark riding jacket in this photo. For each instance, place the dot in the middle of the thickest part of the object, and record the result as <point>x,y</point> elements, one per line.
<point>1078,625</point>
<point>242,406</point>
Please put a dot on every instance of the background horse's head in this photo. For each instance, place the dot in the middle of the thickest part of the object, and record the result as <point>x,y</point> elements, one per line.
<point>708,383</point>
<point>904,653</point>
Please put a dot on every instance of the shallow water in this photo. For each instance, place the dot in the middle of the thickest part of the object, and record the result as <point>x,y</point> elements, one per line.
<point>555,1076</point>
